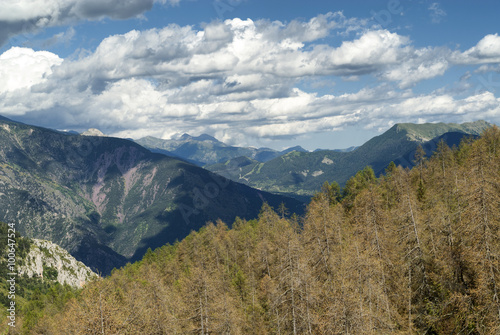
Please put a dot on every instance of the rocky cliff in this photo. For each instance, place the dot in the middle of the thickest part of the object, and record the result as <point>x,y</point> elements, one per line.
<point>48,259</point>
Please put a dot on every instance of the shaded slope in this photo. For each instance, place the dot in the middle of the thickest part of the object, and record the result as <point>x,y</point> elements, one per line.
<point>107,200</point>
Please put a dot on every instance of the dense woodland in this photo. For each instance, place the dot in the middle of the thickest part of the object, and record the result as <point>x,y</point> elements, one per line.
<point>412,252</point>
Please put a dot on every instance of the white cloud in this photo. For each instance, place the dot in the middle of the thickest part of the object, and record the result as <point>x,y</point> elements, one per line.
<point>372,49</point>
<point>488,47</point>
<point>486,51</point>
<point>422,64</point>
<point>299,31</point>
<point>239,79</point>
<point>488,68</point>
<point>34,66</point>
<point>28,16</point>
<point>295,128</point>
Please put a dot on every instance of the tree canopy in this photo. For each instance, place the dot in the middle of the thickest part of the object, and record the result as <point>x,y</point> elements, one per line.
<point>385,259</point>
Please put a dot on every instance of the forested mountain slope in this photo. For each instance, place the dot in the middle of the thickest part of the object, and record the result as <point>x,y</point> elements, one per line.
<point>303,173</point>
<point>412,252</point>
<point>106,200</point>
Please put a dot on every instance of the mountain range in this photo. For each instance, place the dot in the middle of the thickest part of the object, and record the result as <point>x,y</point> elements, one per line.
<point>206,150</point>
<point>416,251</point>
<point>298,173</point>
<point>107,200</point>
<point>301,174</point>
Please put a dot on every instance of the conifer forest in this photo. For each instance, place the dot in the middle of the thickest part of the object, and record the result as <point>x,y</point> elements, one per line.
<point>410,252</point>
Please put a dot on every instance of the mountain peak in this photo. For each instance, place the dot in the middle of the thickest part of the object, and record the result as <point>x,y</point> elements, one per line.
<point>201,138</point>
<point>185,137</point>
<point>295,148</point>
<point>93,132</point>
<point>427,131</point>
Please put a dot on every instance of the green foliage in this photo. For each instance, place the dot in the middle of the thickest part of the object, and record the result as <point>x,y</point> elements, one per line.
<point>420,190</point>
<point>149,257</point>
<point>239,282</point>
<point>331,191</point>
<point>391,168</point>
<point>360,181</point>
<point>45,251</point>
<point>49,272</point>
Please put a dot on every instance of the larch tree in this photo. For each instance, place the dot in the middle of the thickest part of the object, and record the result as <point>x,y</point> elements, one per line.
<point>371,234</point>
<point>482,227</point>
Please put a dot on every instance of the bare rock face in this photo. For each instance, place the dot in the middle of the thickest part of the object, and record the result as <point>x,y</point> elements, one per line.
<point>45,257</point>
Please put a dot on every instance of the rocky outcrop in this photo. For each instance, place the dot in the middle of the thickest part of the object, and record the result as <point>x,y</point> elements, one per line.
<point>44,257</point>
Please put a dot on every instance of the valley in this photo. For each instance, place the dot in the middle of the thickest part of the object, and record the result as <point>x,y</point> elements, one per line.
<point>107,200</point>
<point>412,251</point>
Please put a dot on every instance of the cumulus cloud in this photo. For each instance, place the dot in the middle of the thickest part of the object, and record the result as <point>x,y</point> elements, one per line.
<point>28,16</point>
<point>178,55</point>
<point>239,79</point>
<point>35,67</point>
<point>487,50</point>
<point>422,64</point>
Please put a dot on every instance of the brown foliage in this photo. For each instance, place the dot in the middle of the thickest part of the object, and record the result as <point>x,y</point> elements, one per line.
<point>416,251</point>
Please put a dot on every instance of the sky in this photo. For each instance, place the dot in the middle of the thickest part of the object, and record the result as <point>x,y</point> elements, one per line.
<point>320,74</point>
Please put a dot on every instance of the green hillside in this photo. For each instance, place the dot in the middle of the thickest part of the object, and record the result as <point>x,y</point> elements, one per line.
<point>427,131</point>
<point>301,174</point>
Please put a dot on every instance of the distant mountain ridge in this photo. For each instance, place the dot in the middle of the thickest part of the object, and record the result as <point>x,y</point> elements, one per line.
<point>202,137</point>
<point>427,131</point>
<point>301,174</point>
<point>205,149</point>
<point>107,200</point>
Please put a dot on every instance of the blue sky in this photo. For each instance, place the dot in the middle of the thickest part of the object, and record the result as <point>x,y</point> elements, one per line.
<point>321,74</point>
